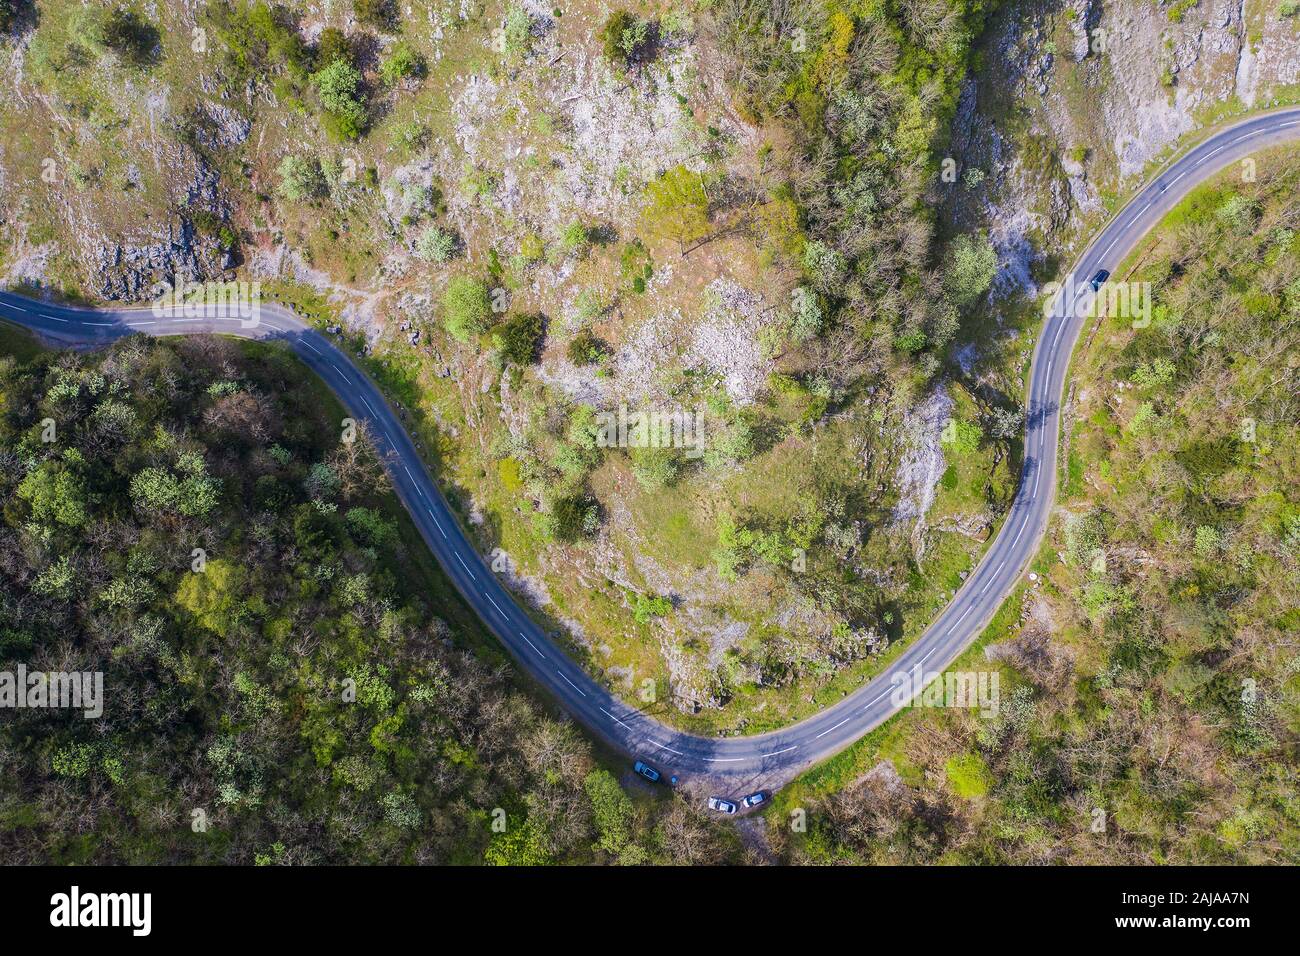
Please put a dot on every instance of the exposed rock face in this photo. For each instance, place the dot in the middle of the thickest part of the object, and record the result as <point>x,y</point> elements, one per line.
<point>222,127</point>
<point>922,463</point>
<point>129,269</point>
<point>1080,102</point>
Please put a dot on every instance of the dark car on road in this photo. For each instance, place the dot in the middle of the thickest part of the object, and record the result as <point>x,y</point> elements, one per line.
<point>1099,280</point>
<point>754,800</point>
<point>645,770</point>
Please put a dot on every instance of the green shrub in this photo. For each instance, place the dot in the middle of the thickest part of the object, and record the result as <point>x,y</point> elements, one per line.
<point>575,239</point>
<point>646,608</point>
<point>655,468</point>
<point>589,304</point>
<point>402,63</point>
<point>332,46</point>
<point>574,517</point>
<point>133,38</point>
<point>300,178</point>
<point>531,248</point>
<point>624,37</point>
<point>518,31</point>
<point>519,340</point>
<point>380,14</point>
<point>584,349</point>
<point>339,86</point>
<point>677,207</point>
<point>611,809</point>
<point>972,264</point>
<point>435,245</point>
<point>467,310</point>
<point>412,135</point>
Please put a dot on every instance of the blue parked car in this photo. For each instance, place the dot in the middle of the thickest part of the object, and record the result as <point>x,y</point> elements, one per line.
<point>647,771</point>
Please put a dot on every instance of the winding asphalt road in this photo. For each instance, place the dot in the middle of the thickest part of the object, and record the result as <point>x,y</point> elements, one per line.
<point>733,765</point>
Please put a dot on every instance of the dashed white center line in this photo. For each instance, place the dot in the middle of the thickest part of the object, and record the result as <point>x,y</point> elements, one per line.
<point>829,729</point>
<point>572,684</point>
<point>612,717</point>
<point>465,566</point>
<point>532,645</point>
<point>777,753</point>
<point>878,698</point>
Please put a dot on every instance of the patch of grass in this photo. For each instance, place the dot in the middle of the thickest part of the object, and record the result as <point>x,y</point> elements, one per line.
<point>18,342</point>
<point>969,775</point>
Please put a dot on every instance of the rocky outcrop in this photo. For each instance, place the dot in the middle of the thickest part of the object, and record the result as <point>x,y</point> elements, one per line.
<point>128,269</point>
<point>1079,102</point>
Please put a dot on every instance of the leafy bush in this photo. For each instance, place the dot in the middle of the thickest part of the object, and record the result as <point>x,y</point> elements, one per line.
<point>435,245</point>
<point>339,86</point>
<point>646,608</point>
<point>624,37</point>
<point>972,263</point>
<point>130,36</point>
<point>467,310</point>
<point>733,443</point>
<point>574,517</point>
<point>56,494</point>
<point>584,349</point>
<point>380,14</point>
<point>402,63</point>
<point>611,809</point>
<point>588,304</point>
<point>655,468</point>
<point>518,32</point>
<point>258,39</point>
<point>575,239</point>
<point>300,178</point>
<point>412,135</point>
<point>677,207</point>
<point>807,315</point>
<point>825,267</point>
<point>519,340</point>
<point>332,47</point>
